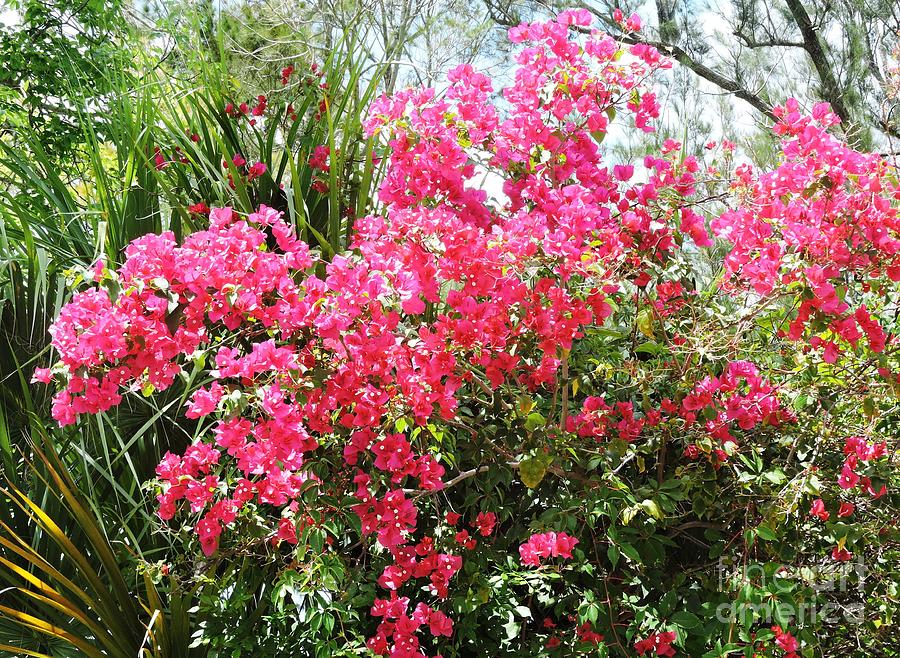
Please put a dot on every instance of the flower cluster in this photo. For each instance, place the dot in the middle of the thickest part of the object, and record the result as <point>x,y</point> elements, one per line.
<point>659,643</point>
<point>821,220</point>
<point>330,376</point>
<point>786,642</point>
<point>320,162</point>
<point>271,407</point>
<point>857,453</point>
<point>546,544</point>
<point>602,421</point>
<point>398,629</point>
<point>740,398</point>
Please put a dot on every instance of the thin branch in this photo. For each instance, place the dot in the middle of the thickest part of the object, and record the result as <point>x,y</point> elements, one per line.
<point>816,50</point>
<point>751,42</point>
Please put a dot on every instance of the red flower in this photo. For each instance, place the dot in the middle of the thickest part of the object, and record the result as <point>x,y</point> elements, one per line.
<point>319,158</point>
<point>785,641</point>
<point>208,530</point>
<point>287,532</point>
<point>658,642</point>
<point>159,159</point>
<point>42,375</point>
<point>462,537</point>
<point>256,170</point>
<point>260,107</point>
<point>818,509</point>
<point>846,509</point>
<point>439,624</point>
<point>395,515</point>
<point>392,453</point>
<point>848,478</point>
<point>199,209</point>
<point>841,554</point>
<point>548,544</point>
<point>485,522</point>
<point>586,633</point>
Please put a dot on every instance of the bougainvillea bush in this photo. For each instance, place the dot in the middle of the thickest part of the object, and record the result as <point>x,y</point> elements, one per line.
<point>627,408</point>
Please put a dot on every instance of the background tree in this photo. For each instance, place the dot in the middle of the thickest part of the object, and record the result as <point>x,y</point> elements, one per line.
<point>54,55</point>
<point>420,40</point>
<point>758,53</point>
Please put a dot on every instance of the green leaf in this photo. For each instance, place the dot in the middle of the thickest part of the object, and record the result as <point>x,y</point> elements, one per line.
<point>685,619</point>
<point>767,533</point>
<point>644,322</point>
<point>534,421</point>
<point>512,628</point>
<point>532,471</point>
<point>630,552</point>
<point>650,347</point>
<point>652,508</point>
<point>613,554</point>
<point>775,477</point>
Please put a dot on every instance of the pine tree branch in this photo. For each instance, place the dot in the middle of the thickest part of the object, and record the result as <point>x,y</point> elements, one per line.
<point>816,51</point>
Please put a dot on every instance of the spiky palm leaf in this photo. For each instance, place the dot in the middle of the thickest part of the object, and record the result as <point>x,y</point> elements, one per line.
<point>71,586</point>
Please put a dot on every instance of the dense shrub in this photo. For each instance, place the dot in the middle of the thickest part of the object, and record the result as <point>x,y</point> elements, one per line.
<point>545,424</point>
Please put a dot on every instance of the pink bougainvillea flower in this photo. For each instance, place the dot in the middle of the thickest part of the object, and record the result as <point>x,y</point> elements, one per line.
<point>818,510</point>
<point>545,545</point>
<point>256,170</point>
<point>42,375</point>
<point>660,643</point>
<point>485,522</point>
<point>786,642</point>
<point>841,554</point>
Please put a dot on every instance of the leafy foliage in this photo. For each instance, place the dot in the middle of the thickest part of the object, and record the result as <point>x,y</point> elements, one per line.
<point>593,390</point>
<point>54,228</point>
<point>54,56</point>
<point>620,408</point>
